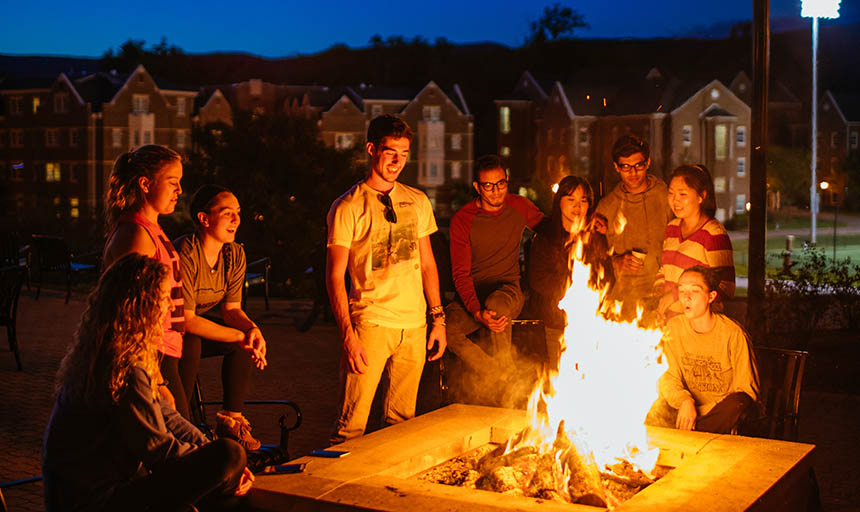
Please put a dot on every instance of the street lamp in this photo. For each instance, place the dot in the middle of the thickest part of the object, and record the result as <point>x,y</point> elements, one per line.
<point>816,9</point>
<point>824,186</point>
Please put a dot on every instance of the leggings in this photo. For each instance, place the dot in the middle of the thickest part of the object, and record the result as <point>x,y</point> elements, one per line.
<point>206,478</point>
<point>170,373</point>
<point>235,369</point>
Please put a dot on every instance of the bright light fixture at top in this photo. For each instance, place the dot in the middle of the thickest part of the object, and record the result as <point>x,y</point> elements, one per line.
<point>819,8</point>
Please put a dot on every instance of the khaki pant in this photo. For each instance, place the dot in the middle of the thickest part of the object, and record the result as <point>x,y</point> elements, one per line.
<point>400,352</point>
<point>507,300</point>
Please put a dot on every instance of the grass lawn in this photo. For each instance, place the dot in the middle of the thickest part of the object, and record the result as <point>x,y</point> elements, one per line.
<point>847,246</point>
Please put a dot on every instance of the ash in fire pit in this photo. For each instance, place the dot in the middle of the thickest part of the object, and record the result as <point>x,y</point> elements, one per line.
<point>560,475</point>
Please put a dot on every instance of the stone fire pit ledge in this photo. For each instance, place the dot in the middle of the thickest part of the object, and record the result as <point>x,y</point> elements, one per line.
<point>712,472</point>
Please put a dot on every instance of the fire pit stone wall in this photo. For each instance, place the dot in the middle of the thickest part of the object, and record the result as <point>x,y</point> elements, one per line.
<point>712,472</point>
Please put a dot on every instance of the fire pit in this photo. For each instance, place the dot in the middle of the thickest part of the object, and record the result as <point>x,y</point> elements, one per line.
<point>710,472</point>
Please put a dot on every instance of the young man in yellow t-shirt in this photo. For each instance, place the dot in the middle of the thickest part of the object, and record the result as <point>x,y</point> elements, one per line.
<point>380,231</point>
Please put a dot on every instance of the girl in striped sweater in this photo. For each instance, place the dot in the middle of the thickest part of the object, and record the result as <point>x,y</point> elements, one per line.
<point>694,237</point>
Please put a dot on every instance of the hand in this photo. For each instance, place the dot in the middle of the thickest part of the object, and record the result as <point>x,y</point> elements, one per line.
<point>354,352</point>
<point>489,318</point>
<point>686,419</point>
<point>255,344</point>
<point>628,264</point>
<point>599,223</point>
<point>437,335</point>
<point>245,483</point>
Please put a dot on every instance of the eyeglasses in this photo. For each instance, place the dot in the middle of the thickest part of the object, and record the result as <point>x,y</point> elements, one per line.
<point>639,166</point>
<point>390,214</point>
<point>489,186</point>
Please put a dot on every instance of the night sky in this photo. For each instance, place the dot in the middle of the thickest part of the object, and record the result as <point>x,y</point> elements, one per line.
<point>273,28</point>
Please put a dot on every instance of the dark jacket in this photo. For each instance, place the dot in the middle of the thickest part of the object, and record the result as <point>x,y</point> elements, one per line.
<point>549,271</point>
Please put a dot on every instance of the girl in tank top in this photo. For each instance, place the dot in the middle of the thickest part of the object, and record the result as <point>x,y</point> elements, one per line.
<point>144,184</point>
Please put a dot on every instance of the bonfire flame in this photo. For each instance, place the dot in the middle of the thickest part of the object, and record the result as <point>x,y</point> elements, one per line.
<point>590,413</point>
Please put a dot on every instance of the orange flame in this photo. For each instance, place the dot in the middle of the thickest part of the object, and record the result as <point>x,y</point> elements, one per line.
<point>620,222</point>
<point>605,384</point>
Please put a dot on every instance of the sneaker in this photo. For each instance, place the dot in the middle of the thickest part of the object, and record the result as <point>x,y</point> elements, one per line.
<point>236,428</point>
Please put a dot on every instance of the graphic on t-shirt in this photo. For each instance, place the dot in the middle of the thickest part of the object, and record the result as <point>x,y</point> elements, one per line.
<point>704,374</point>
<point>395,243</point>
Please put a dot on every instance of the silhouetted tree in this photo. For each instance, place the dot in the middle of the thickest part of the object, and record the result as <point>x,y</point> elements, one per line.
<point>557,22</point>
<point>285,179</point>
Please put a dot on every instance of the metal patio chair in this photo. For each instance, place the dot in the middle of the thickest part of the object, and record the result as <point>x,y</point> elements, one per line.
<point>780,380</point>
<point>11,280</point>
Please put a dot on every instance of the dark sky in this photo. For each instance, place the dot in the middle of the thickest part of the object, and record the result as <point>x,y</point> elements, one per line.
<point>278,28</point>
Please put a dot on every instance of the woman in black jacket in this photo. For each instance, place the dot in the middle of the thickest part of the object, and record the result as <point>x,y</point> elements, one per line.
<point>550,259</point>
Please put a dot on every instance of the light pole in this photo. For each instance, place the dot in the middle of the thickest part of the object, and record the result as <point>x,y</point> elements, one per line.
<point>825,185</point>
<point>816,9</point>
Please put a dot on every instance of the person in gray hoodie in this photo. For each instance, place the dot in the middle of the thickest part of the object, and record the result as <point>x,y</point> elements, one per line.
<point>636,213</point>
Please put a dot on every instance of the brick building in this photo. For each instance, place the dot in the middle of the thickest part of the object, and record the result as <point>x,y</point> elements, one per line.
<point>58,141</point>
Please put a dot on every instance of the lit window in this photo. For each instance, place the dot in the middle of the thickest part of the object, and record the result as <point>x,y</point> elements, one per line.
<point>505,151</point>
<point>16,105</point>
<point>74,137</point>
<point>375,111</point>
<point>180,107</point>
<point>583,136</point>
<point>457,141</point>
<point>719,184</point>
<point>140,103</point>
<point>16,138</point>
<point>740,203</point>
<point>456,170</point>
<point>432,113</point>
<point>853,140</point>
<point>180,138</point>
<point>116,137</point>
<point>505,119</point>
<point>742,167</point>
<point>344,140</point>
<point>52,172</point>
<point>52,137</point>
<point>74,207</point>
<point>36,103</point>
<point>720,141</point>
<point>61,102</point>
<point>687,134</point>
<point>17,171</point>
<point>741,136</point>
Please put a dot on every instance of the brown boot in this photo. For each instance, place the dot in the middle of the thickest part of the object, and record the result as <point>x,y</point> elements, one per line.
<point>236,428</point>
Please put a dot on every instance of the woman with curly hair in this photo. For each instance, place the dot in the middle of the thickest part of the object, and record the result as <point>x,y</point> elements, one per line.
<point>144,184</point>
<point>111,442</point>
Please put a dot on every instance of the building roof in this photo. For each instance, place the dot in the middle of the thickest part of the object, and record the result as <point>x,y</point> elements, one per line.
<point>99,88</point>
<point>848,104</point>
<point>372,92</point>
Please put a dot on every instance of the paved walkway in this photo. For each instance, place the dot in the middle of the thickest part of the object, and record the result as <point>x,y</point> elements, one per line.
<point>302,366</point>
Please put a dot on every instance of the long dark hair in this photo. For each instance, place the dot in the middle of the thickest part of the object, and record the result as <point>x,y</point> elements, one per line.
<point>553,228</point>
<point>698,178</point>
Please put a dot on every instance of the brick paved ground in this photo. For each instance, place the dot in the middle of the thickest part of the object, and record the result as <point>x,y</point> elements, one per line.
<point>302,367</point>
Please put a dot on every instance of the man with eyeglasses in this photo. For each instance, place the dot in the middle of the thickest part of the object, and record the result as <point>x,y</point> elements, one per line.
<point>485,246</point>
<point>637,213</point>
<point>380,231</point>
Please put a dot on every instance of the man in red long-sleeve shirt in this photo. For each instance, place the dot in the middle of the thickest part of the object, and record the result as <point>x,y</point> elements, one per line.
<point>485,244</point>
